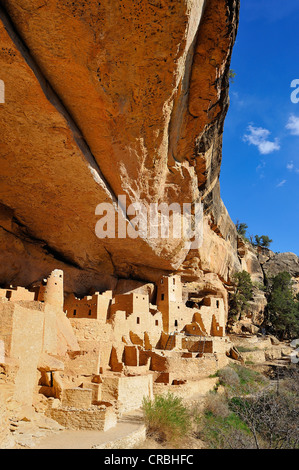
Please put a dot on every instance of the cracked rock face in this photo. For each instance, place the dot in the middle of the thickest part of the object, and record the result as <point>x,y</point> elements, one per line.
<point>279,262</point>
<point>104,99</point>
<point>282,262</point>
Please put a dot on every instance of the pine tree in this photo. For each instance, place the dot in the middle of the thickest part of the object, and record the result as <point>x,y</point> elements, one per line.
<point>283,307</point>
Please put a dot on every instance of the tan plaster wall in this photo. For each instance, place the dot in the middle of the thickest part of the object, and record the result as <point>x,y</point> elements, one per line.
<point>94,306</point>
<point>129,391</point>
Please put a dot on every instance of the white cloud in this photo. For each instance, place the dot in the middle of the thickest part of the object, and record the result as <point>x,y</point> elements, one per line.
<point>293,124</point>
<point>282,183</point>
<point>268,147</point>
<point>291,167</point>
<point>260,138</point>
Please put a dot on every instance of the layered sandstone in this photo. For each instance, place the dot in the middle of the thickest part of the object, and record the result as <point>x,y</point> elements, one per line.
<point>103,100</point>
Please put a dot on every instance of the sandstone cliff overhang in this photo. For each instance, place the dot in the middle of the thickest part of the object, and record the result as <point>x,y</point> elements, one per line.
<point>101,101</point>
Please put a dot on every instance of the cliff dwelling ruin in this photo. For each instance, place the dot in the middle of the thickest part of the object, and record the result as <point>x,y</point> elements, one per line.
<point>100,355</point>
<point>107,105</point>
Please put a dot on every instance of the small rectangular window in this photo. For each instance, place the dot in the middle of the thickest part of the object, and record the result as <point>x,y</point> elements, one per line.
<point>162,297</point>
<point>138,320</point>
<point>8,294</point>
<point>75,313</point>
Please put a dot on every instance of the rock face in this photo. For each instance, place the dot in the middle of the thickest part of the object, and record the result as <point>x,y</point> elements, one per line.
<point>104,100</point>
<point>250,261</point>
<point>262,264</point>
<point>279,262</point>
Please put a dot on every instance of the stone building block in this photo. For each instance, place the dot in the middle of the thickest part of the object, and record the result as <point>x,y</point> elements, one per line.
<point>96,390</point>
<point>77,397</point>
<point>128,391</point>
<point>93,419</point>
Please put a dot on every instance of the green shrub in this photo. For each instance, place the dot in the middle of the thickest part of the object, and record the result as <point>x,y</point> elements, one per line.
<point>282,312</point>
<point>239,300</point>
<point>264,419</point>
<point>271,417</point>
<point>263,241</point>
<point>248,376</point>
<point>246,349</point>
<point>241,229</point>
<point>229,377</point>
<point>228,432</point>
<point>217,404</point>
<point>166,418</point>
<point>250,380</point>
<point>239,379</point>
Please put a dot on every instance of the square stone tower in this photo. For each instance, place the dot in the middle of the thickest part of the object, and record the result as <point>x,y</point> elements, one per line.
<point>169,299</point>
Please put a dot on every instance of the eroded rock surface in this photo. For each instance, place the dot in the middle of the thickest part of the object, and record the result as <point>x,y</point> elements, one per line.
<point>280,262</point>
<point>103,100</point>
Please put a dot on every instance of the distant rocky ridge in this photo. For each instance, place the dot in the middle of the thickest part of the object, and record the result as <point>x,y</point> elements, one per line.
<point>263,264</point>
<point>279,262</point>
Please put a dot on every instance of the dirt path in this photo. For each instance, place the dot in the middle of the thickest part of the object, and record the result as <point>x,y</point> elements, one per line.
<point>124,431</point>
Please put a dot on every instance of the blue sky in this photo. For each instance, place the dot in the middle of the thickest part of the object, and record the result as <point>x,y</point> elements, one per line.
<point>260,167</point>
